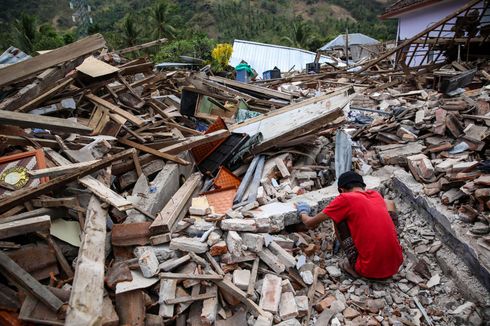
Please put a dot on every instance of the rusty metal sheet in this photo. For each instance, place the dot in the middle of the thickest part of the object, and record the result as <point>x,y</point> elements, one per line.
<point>38,259</point>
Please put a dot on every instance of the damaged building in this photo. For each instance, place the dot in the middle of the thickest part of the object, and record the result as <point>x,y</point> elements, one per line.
<point>131,195</point>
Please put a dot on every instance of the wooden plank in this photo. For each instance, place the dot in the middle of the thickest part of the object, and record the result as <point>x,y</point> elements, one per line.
<point>44,96</point>
<point>22,195</point>
<point>191,298</point>
<point>186,276</point>
<point>59,170</point>
<point>170,214</point>
<point>254,88</point>
<point>86,299</point>
<point>115,109</point>
<point>106,194</point>
<point>141,46</point>
<point>27,141</point>
<point>167,291</point>
<point>68,52</point>
<point>152,151</point>
<point>232,289</point>
<point>253,278</point>
<point>24,226</point>
<point>26,120</point>
<point>195,141</point>
<point>24,280</point>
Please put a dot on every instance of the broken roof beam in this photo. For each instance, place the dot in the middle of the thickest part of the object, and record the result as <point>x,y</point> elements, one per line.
<point>45,95</point>
<point>174,209</point>
<point>22,195</point>
<point>26,68</point>
<point>153,151</point>
<point>194,141</point>
<point>21,278</point>
<point>267,92</point>
<point>85,305</point>
<point>24,226</point>
<point>115,109</point>
<point>141,46</point>
<point>26,120</point>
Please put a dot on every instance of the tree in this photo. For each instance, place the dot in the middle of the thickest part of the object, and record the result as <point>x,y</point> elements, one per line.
<point>160,17</point>
<point>302,35</point>
<point>130,32</point>
<point>48,38</point>
<point>25,32</point>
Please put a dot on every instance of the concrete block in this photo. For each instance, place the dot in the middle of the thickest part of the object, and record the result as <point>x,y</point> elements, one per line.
<point>302,304</point>
<point>271,293</point>
<point>241,278</point>
<point>289,322</point>
<point>189,244</point>
<point>148,263</point>
<point>287,306</point>
<point>272,261</point>
<point>287,286</point>
<point>253,241</point>
<point>239,224</point>
<point>284,257</point>
<point>234,243</point>
<point>262,321</point>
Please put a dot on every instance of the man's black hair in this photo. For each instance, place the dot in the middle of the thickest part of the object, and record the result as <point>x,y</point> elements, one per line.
<point>352,185</point>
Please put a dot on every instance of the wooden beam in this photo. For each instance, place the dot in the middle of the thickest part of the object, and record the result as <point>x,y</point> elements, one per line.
<point>106,194</point>
<point>45,96</point>
<point>68,52</point>
<point>26,120</point>
<point>24,226</point>
<point>22,195</point>
<point>186,276</point>
<point>169,215</point>
<point>253,88</point>
<point>232,289</point>
<point>191,298</point>
<point>195,141</point>
<point>59,170</point>
<point>152,151</point>
<point>87,293</point>
<point>115,109</point>
<point>17,275</point>
<point>141,46</point>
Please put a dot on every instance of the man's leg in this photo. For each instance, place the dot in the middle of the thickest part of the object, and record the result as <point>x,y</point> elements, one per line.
<point>345,239</point>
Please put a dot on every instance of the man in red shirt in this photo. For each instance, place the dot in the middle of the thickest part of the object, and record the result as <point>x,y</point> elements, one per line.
<point>364,226</point>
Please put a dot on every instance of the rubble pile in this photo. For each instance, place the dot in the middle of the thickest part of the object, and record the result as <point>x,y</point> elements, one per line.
<point>134,196</point>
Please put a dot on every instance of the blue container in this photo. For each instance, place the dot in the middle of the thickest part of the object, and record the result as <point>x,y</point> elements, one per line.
<point>271,74</point>
<point>242,76</point>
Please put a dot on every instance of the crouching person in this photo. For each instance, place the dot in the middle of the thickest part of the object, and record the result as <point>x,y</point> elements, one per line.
<point>366,226</point>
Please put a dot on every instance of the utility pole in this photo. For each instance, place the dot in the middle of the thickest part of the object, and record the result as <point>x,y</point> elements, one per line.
<point>347,47</point>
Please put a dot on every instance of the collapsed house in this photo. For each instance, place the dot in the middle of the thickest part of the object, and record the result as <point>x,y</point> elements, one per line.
<point>131,196</point>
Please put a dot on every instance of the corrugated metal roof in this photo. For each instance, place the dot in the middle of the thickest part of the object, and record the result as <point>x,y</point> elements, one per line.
<point>263,57</point>
<point>354,39</point>
<point>12,55</point>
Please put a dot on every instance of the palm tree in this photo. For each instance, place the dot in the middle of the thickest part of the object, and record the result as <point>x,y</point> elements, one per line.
<point>160,17</point>
<point>130,32</point>
<point>25,32</point>
<point>301,36</point>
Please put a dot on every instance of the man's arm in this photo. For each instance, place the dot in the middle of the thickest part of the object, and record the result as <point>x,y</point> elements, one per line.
<point>312,222</point>
<point>390,206</point>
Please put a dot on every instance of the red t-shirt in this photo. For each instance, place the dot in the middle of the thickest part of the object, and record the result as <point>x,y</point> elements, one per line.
<point>372,230</point>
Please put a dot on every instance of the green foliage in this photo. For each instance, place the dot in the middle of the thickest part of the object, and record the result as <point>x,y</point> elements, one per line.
<point>160,21</point>
<point>194,27</point>
<point>25,32</point>
<point>130,31</point>
<point>198,46</point>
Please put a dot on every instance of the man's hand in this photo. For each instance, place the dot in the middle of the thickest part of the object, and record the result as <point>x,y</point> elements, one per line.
<point>303,208</point>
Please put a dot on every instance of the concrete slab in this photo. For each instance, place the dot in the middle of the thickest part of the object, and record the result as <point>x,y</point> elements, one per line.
<point>452,232</point>
<point>284,214</point>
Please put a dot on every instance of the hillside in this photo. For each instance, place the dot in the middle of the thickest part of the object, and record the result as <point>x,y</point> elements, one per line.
<point>304,23</point>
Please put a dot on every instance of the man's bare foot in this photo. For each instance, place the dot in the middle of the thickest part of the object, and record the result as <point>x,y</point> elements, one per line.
<point>346,266</point>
